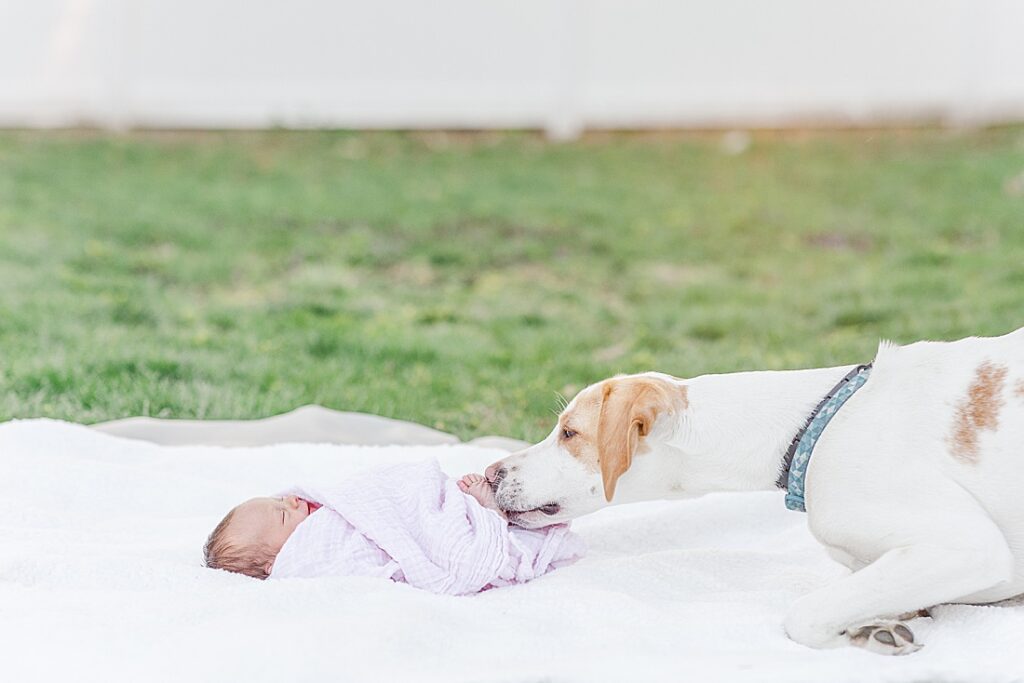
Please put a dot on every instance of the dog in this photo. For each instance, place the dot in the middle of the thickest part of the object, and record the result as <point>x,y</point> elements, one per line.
<point>916,483</point>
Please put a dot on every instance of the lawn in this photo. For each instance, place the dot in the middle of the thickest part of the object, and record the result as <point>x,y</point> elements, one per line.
<point>465,281</point>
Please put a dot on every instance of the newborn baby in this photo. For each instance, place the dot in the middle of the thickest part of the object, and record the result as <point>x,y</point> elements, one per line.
<point>408,523</point>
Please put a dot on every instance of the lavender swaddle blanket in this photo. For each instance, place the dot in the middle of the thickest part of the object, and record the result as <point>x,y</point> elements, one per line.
<point>411,523</point>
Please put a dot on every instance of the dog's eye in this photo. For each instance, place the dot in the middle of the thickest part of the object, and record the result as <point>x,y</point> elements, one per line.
<point>568,434</point>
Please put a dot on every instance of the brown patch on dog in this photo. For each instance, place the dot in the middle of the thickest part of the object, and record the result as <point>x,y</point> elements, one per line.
<point>581,417</point>
<point>588,415</point>
<point>1019,389</point>
<point>629,408</point>
<point>577,445</point>
<point>979,410</point>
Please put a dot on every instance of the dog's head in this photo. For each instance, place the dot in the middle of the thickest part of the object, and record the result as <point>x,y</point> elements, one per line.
<point>607,430</point>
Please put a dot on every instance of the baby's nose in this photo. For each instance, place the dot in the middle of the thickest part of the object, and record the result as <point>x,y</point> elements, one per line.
<point>292,501</point>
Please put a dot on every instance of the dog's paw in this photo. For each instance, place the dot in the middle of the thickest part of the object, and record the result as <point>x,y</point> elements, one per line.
<point>885,638</point>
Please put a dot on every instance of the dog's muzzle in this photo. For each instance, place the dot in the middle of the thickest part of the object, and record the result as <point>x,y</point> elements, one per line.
<point>508,492</point>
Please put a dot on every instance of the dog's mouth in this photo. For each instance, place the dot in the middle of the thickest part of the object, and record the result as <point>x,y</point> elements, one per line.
<point>533,517</point>
<point>530,518</point>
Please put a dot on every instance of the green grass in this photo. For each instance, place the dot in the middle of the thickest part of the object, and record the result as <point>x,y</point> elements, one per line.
<point>462,280</point>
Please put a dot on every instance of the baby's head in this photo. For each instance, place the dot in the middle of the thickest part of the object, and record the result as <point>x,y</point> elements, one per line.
<point>249,538</point>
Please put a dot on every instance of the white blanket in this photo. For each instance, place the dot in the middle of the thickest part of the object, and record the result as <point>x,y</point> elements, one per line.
<point>101,579</point>
<point>411,523</point>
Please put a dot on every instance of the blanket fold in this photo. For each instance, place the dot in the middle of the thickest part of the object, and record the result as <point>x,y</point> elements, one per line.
<point>411,523</point>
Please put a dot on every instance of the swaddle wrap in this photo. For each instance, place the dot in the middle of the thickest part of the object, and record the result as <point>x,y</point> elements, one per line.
<point>411,523</point>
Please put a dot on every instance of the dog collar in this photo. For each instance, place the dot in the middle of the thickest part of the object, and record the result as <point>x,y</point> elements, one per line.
<point>798,456</point>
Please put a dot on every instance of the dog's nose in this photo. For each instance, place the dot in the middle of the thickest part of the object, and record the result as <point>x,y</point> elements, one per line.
<point>495,473</point>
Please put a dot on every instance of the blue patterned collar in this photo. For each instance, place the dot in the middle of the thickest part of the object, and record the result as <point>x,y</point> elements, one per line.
<point>794,465</point>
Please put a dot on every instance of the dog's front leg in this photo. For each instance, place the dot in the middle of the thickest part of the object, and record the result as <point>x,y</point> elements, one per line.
<point>861,609</point>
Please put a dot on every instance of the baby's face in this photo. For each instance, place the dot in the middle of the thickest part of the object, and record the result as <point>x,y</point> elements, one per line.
<point>268,521</point>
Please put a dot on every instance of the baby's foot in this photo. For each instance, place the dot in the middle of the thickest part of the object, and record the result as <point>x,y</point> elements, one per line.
<point>476,485</point>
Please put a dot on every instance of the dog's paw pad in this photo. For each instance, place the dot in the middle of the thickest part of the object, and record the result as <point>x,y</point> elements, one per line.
<point>885,637</point>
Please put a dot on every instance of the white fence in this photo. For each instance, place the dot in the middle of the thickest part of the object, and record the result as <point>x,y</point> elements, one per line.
<point>561,65</point>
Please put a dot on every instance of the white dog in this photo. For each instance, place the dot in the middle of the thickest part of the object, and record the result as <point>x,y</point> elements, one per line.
<point>917,484</point>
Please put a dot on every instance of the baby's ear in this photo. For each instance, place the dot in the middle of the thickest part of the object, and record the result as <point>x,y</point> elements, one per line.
<point>268,567</point>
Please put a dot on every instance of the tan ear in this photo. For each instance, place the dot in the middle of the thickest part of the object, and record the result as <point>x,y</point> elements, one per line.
<point>629,407</point>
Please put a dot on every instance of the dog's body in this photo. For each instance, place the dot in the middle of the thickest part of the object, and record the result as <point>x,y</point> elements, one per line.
<point>916,484</point>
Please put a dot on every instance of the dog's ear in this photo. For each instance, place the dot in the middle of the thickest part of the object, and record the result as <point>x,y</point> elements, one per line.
<point>629,408</point>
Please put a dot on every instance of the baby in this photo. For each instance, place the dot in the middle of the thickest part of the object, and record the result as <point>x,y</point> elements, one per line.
<point>408,523</point>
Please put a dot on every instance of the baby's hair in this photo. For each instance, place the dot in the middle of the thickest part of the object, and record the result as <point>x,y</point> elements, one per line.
<point>220,553</point>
